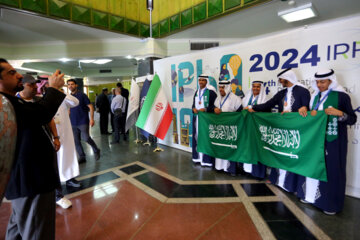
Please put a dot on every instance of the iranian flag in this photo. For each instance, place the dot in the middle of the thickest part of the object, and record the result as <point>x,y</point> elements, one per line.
<point>156,115</point>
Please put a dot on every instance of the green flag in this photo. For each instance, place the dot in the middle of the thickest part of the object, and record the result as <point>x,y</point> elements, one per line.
<point>220,135</point>
<point>289,141</point>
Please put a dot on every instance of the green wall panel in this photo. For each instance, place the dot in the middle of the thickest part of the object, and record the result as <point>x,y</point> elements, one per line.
<point>200,12</point>
<point>132,27</point>
<point>130,16</point>
<point>35,6</point>
<point>117,23</point>
<point>175,22</point>
<point>13,3</point>
<point>164,27</point>
<point>59,9</point>
<point>145,30</point>
<point>186,17</point>
<point>100,19</point>
<point>215,7</point>
<point>81,14</point>
<point>156,30</point>
<point>231,3</point>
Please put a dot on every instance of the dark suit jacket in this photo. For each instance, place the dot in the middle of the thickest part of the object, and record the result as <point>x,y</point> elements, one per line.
<point>125,93</point>
<point>34,169</point>
<point>301,96</point>
<point>102,102</point>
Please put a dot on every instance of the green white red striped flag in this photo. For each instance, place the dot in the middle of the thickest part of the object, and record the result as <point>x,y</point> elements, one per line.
<point>156,115</point>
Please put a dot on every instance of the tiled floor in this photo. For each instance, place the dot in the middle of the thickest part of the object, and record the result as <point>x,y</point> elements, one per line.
<point>133,193</point>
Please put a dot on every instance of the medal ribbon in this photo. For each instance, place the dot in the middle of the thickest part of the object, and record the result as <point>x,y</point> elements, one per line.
<point>251,102</point>
<point>201,95</point>
<point>321,100</point>
<point>221,104</point>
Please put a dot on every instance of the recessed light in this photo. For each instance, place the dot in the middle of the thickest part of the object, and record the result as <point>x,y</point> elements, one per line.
<point>87,60</point>
<point>102,61</point>
<point>299,13</point>
<point>65,59</point>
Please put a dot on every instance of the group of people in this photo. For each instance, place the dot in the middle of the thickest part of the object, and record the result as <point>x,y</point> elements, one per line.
<point>329,96</point>
<point>116,104</point>
<point>50,127</point>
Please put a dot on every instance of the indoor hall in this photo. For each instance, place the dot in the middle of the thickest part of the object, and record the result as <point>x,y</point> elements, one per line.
<point>132,192</point>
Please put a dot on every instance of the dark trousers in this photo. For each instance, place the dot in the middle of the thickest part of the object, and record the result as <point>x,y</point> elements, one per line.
<point>112,121</point>
<point>58,194</point>
<point>119,126</point>
<point>32,218</point>
<point>104,121</point>
<point>124,122</point>
<point>82,132</point>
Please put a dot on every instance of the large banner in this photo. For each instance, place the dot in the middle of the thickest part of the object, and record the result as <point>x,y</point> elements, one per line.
<point>287,141</point>
<point>334,44</point>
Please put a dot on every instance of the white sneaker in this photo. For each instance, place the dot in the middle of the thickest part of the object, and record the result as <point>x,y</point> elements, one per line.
<point>329,213</point>
<point>64,203</point>
<point>304,201</point>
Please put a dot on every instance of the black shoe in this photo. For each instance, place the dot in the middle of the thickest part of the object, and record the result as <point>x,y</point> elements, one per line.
<point>114,142</point>
<point>82,160</point>
<point>73,183</point>
<point>97,155</point>
<point>125,138</point>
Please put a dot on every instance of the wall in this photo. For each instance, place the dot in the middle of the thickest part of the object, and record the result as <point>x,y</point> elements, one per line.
<point>93,89</point>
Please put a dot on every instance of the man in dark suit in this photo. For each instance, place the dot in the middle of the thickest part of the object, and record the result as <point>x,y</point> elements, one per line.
<point>103,105</point>
<point>34,175</point>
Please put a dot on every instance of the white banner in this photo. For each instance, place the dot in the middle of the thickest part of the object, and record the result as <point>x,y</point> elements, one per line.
<point>334,44</point>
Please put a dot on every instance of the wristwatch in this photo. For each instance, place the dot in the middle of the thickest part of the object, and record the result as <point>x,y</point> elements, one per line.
<point>57,137</point>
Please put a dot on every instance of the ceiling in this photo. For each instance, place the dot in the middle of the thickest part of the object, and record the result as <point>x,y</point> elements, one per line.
<point>24,29</point>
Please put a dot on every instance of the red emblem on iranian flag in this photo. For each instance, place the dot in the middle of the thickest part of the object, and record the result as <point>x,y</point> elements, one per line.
<point>159,106</point>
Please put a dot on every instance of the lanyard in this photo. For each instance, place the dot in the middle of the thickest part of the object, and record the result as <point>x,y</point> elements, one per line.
<point>251,102</point>
<point>321,100</point>
<point>287,90</point>
<point>285,99</point>
<point>201,95</point>
<point>222,104</point>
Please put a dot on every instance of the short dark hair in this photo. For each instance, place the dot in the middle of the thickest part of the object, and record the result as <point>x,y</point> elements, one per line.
<point>119,85</point>
<point>71,80</point>
<point>2,60</point>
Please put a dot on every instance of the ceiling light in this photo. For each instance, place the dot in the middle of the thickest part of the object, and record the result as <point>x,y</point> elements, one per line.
<point>30,69</point>
<point>87,60</point>
<point>65,59</point>
<point>102,61</point>
<point>299,13</point>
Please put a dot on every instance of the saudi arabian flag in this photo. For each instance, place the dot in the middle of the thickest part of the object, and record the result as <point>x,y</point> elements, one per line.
<point>156,115</point>
<point>285,141</point>
<point>221,136</point>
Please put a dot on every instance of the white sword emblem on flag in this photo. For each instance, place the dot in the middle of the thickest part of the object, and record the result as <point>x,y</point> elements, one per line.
<point>282,153</point>
<point>225,145</point>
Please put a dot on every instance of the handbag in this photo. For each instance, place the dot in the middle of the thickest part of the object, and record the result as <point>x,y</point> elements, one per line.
<point>118,112</point>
